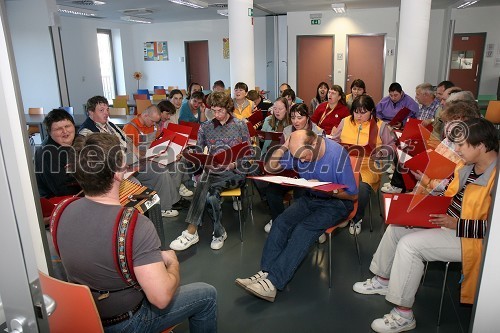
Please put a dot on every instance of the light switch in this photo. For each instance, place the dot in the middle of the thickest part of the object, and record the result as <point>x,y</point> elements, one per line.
<point>340,56</point>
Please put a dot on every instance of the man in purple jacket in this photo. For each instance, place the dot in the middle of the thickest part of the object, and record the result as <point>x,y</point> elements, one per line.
<point>390,105</point>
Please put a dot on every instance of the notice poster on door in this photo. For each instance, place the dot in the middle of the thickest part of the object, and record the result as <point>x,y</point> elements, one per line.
<point>155,51</point>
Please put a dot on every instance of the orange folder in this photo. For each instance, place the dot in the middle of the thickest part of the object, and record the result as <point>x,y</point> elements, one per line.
<point>413,210</point>
<point>434,165</point>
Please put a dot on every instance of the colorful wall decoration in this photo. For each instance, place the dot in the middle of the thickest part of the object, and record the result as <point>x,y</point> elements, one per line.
<point>225,48</point>
<point>155,51</point>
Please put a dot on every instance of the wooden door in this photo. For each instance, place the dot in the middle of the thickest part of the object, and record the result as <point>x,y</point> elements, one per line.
<point>197,65</point>
<point>314,64</point>
<point>467,60</point>
<point>365,61</point>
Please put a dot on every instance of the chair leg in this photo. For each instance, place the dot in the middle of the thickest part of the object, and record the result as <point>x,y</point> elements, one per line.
<point>425,273</point>
<point>239,203</point>
<point>356,243</point>
<point>442,292</point>
<point>370,213</point>
<point>330,260</point>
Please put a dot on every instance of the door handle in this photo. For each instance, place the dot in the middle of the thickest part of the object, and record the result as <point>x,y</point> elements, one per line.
<point>330,76</point>
<point>477,71</point>
<point>349,75</point>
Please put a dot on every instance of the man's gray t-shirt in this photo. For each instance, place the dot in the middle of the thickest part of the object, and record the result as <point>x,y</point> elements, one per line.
<point>85,240</point>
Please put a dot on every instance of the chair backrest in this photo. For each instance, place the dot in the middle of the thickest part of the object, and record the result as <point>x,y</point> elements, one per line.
<point>35,111</point>
<point>143,92</point>
<point>75,307</point>
<point>117,111</point>
<point>160,91</point>
<point>141,105</point>
<point>493,112</point>
<point>125,97</point>
<point>158,87</point>
<point>120,103</point>
<point>140,96</point>
<point>159,97</point>
<point>170,88</point>
<point>183,91</point>
<point>68,109</point>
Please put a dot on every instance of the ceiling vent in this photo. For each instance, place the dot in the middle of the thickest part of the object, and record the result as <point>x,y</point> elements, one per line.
<point>137,12</point>
<point>87,2</point>
<point>219,5</point>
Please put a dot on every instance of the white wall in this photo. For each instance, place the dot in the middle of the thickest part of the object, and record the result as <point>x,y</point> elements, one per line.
<point>434,47</point>
<point>259,33</point>
<point>353,22</point>
<point>34,57</point>
<point>483,19</point>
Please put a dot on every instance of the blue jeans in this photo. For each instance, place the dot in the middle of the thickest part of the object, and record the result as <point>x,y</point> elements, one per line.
<point>295,230</point>
<point>196,302</point>
<point>207,195</point>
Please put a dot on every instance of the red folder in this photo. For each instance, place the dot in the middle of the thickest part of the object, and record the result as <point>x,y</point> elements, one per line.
<point>285,173</point>
<point>256,117</point>
<point>273,136</point>
<point>251,130</point>
<point>434,165</point>
<point>414,209</point>
<point>400,116</point>
<point>181,129</point>
<point>194,129</point>
<point>160,144</point>
<point>413,130</point>
<point>224,157</point>
<point>322,188</point>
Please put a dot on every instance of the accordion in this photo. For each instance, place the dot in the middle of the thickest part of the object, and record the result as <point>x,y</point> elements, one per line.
<point>138,196</point>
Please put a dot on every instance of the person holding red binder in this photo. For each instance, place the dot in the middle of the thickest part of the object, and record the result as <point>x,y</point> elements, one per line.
<point>300,225</point>
<point>364,132</point>
<point>219,134</point>
<point>398,263</point>
<point>389,106</point>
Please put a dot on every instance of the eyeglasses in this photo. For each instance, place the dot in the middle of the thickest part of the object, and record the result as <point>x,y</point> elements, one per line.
<point>361,111</point>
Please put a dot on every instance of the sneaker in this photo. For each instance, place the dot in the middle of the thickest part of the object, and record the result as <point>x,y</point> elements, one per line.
<point>391,189</point>
<point>355,227</point>
<point>394,322</point>
<point>370,287</point>
<point>169,213</point>
<point>268,226</point>
<point>184,241</point>
<point>263,289</point>
<point>184,191</point>
<point>218,242</point>
<point>236,204</point>
<point>260,275</point>
<point>322,238</point>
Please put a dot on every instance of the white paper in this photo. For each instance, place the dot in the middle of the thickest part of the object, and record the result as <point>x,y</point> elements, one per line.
<point>158,149</point>
<point>292,181</point>
<point>169,155</point>
<point>387,204</point>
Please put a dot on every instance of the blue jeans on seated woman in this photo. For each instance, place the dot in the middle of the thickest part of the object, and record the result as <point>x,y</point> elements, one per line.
<point>295,230</point>
<point>195,301</point>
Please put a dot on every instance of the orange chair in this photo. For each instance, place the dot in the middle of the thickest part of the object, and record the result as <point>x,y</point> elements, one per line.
<point>141,105</point>
<point>75,309</point>
<point>493,112</point>
<point>170,88</point>
<point>121,103</point>
<point>117,111</point>
<point>160,91</point>
<point>125,97</point>
<point>329,231</point>
<point>159,98</point>
<point>32,129</point>
<point>140,96</point>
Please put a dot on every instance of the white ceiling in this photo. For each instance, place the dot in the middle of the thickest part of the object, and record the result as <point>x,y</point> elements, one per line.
<point>165,11</point>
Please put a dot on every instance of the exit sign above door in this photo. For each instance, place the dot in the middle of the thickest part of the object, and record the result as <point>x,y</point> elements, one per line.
<point>316,22</point>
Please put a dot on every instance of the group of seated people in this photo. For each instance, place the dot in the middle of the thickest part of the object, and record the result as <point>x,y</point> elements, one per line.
<point>316,142</point>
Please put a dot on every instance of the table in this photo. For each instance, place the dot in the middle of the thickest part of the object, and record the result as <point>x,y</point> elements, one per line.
<point>37,120</point>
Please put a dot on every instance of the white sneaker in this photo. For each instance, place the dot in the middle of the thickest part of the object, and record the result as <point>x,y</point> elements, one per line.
<point>169,213</point>
<point>260,275</point>
<point>184,191</point>
<point>218,242</point>
<point>391,189</point>
<point>268,226</point>
<point>184,241</point>
<point>355,227</point>
<point>370,287</point>
<point>393,322</point>
<point>322,238</point>
<point>263,289</point>
<point>236,204</point>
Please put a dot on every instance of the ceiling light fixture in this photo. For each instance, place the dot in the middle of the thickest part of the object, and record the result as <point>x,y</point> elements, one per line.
<point>465,4</point>
<point>136,19</point>
<point>76,11</point>
<point>191,3</point>
<point>223,12</point>
<point>338,8</point>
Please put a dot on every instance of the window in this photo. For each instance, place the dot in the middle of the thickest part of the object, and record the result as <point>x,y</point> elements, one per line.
<point>105,48</point>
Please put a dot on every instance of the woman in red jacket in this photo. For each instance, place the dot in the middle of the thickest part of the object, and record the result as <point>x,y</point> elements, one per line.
<point>329,114</point>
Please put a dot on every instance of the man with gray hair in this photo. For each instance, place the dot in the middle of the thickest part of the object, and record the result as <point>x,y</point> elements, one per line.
<point>428,104</point>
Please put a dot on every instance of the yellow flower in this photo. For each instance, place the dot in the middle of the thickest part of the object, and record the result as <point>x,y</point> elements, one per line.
<point>137,75</point>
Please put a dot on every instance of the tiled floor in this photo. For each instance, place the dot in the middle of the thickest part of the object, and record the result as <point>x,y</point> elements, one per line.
<point>307,304</point>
